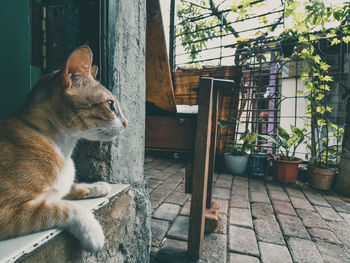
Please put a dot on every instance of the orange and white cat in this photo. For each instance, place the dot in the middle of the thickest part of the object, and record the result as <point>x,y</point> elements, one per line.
<point>36,169</point>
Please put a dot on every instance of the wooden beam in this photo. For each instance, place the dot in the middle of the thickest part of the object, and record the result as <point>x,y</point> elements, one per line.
<point>204,160</point>
<point>200,169</point>
<point>212,151</point>
<point>159,83</point>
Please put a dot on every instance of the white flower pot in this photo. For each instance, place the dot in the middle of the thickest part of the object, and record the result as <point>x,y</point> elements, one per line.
<point>236,164</point>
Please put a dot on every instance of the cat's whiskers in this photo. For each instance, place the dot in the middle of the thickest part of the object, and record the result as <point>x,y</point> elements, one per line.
<point>77,116</point>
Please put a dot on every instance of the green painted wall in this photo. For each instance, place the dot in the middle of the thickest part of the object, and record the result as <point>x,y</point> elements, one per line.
<point>16,74</point>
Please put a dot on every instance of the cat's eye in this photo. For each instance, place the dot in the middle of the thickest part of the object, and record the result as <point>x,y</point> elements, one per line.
<point>111,105</point>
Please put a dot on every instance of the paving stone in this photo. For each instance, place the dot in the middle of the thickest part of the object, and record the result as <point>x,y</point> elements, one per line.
<point>163,165</point>
<point>323,234</point>
<point>166,211</point>
<point>240,202</point>
<point>175,243</point>
<point>148,158</point>
<point>158,175</point>
<point>179,229</point>
<point>257,197</point>
<point>338,204</point>
<point>177,198</point>
<point>273,253</point>
<point>154,163</point>
<point>215,248</point>
<point>174,167</point>
<point>222,224</point>
<point>274,187</point>
<point>301,203</point>
<point>163,190</point>
<point>316,199</point>
<point>268,231</point>
<point>257,186</point>
<point>239,191</point>
<point>242,240</point>
<point>277,195</point>
<point>345,199</point>
<point>311,219</point>
<point>159,229</point>
<point>186,209</point>
<point>180,188</point>
<point>292,226</point>
<point>262,211</point>
<point>341,230</point>
<point>238,258</point>
<point>304,251</point>
<point>345,216</point>
<point>223,204</point>
<point>294,192</point>
<point>221,193</point>
<point>153,183</point>
<point>241,178</point>
<point>241,217</point>
<point>328,213</point>
<point>333,253</point>
<point>282,207</point>
<point>172,255</point>
<point>153,254</point>
<point>224,181</point>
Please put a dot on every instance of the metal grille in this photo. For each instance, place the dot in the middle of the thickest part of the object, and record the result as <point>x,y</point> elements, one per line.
<point>269,84</point>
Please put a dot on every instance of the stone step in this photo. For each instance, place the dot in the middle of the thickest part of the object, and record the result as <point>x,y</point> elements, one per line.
<point>56,245</point>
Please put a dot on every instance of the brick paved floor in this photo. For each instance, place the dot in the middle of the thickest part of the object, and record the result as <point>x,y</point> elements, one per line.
<point>260,221</point>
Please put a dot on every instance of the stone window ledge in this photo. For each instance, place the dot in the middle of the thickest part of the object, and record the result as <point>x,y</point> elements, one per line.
<point>15,248</point>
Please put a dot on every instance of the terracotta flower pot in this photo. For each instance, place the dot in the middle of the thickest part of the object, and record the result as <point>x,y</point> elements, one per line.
<point>321,179</point>
<point>285,171</point>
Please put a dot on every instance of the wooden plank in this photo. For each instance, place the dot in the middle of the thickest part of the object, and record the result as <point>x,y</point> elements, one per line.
<point>186,81</point>
<point>168,132</point>
<point>213,142</point>
<point>200,170</point>
<point>158,76</point>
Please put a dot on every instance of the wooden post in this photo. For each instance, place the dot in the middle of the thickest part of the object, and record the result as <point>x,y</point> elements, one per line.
<point>212,152</point>
<point>204,161</point>
<point>200,169</point>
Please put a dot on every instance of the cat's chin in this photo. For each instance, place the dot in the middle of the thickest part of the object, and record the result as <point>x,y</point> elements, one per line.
<point>102,137</point>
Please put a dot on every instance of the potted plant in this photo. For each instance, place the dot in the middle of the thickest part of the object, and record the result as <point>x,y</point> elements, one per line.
<point>324,158</point>
<point>289,39</point>
<point>236,157</point>
<point>285,166</point>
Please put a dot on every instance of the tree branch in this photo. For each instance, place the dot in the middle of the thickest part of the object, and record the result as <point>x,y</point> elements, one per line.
<point>200,6</point>
<point>222,18</point>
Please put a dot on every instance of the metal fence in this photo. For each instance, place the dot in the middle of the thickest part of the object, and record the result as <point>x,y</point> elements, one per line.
<point>269,84</point>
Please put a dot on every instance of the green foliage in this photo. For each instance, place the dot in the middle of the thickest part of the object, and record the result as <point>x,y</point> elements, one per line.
<point>287,144</point>
<point>202,20</point>
<point>325,137</point>
<point>247,139</point>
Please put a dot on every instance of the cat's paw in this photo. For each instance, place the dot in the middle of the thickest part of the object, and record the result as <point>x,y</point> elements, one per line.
<point>100,189</point>
<point>93,238</point>
<point>87,229</point>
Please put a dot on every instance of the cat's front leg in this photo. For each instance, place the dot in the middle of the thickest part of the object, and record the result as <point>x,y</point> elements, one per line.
<point>81,191</point>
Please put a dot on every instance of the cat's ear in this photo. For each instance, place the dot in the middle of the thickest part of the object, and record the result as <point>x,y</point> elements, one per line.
<point>78,63</point>
<point>94,71</point>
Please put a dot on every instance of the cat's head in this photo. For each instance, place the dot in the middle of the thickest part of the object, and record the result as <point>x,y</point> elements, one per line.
<point>92,111</point>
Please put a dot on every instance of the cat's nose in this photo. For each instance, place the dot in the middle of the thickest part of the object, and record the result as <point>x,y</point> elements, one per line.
<point>125,123</point>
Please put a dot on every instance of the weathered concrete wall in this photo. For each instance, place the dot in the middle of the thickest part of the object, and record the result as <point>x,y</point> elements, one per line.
<point>122,161</point>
